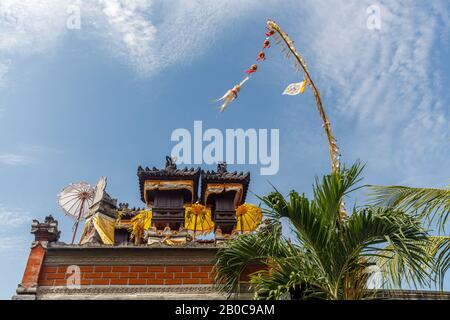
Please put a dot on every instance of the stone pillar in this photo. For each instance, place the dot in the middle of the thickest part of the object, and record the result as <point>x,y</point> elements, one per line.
<point>44,233</point>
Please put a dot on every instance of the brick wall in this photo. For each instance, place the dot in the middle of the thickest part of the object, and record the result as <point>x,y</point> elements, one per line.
<point>33,267</point>
<point>129,275</point>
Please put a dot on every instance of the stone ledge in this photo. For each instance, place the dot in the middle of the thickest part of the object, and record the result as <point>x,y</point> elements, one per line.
<point>129,255</point>
<point>186,292</point>
<point>95,246</point>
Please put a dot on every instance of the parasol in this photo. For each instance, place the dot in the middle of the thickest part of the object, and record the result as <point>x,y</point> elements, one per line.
<point>75,200</point>
<point>248,217</point>
<point>198,219</point>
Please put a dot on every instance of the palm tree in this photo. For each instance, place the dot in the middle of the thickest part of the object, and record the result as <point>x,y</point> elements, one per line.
<point>431,205</point>
<point>329,258</point>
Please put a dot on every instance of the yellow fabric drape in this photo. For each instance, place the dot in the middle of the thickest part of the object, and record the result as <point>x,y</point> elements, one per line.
<point>101,224</point>
<point>105,227</point>
<point>141,222</point>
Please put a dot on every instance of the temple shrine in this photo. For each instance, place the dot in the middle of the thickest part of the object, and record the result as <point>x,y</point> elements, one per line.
<point>164,250</point>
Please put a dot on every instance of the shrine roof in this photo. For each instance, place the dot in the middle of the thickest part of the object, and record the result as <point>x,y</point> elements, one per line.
<point>170,172</point>
<point>223,176</point>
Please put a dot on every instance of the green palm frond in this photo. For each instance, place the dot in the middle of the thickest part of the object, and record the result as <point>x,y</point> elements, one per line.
<point>330,192</point>
<point>285,278</point>
<point>369,229</point>
<point>435,258</point>
<point>439,253</point>
<point>312,229</point>
<point>331,258</point>
<point>247,249</point>
<point>432,204</point>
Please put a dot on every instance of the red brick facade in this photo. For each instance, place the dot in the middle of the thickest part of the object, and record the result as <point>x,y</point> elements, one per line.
<point>129,275</point>
<point>104,272</point>
<point>34,265</point>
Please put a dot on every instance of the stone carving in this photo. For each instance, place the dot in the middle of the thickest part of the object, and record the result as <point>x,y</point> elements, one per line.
<point>222,167</point>
<point>46,231</point>
<point>170,164</point>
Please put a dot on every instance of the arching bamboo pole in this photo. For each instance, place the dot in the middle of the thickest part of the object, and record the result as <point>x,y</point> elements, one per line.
<point>282,38</point>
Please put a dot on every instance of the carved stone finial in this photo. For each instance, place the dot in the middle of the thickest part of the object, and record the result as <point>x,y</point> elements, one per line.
<point>170,164</point>
<point>46,231</point>
<point>222,167</point>
<point>123,206</point>
<point>49,219</point>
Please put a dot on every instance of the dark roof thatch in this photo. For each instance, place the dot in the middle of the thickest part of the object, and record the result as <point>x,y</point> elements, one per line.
<point>171,172</point>
<point>223,176</point>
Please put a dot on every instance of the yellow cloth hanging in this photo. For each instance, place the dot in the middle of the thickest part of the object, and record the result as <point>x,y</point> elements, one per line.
<point>141,222</point>
<point>103,225</point>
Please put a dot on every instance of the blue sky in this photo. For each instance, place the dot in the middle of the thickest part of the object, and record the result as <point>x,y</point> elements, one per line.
<point>104,99</point>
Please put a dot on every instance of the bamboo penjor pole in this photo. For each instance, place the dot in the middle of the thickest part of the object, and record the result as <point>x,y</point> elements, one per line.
<point>300,64</point>
<point>332,144</point>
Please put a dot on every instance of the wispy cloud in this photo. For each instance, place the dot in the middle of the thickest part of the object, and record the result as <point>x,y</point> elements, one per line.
<point>28,27</point>
<point>8,244</point>
<point>386,84</point>
<point>13,218</point>
<point>152,35</point>
<point>4,67</point>
<point>149,35</point>
<point>12,159</point>
<point>25,154</point>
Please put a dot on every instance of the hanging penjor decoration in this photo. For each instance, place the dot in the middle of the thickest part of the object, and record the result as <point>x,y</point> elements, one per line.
<point>281,38</point>
<point>232,94</point>
<point>288,48</point>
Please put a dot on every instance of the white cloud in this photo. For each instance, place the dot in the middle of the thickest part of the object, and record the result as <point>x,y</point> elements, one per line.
<point>10,244</point>
<point>28,27</point>
<point>125,30</point>
<point>388,84</point>
<point>25,154</point>
<point>13,217</point>
<point>180,31</point>
<point>149,35</point>
<point>12,159</point>
<point>4,68</point>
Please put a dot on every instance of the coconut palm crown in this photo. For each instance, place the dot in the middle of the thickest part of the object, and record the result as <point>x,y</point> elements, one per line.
<point>432,205</point>
<point>328,257</point>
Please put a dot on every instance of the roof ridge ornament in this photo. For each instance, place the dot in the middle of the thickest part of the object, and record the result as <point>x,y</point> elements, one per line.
<point>170,164</point>
<point>222,167</point>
